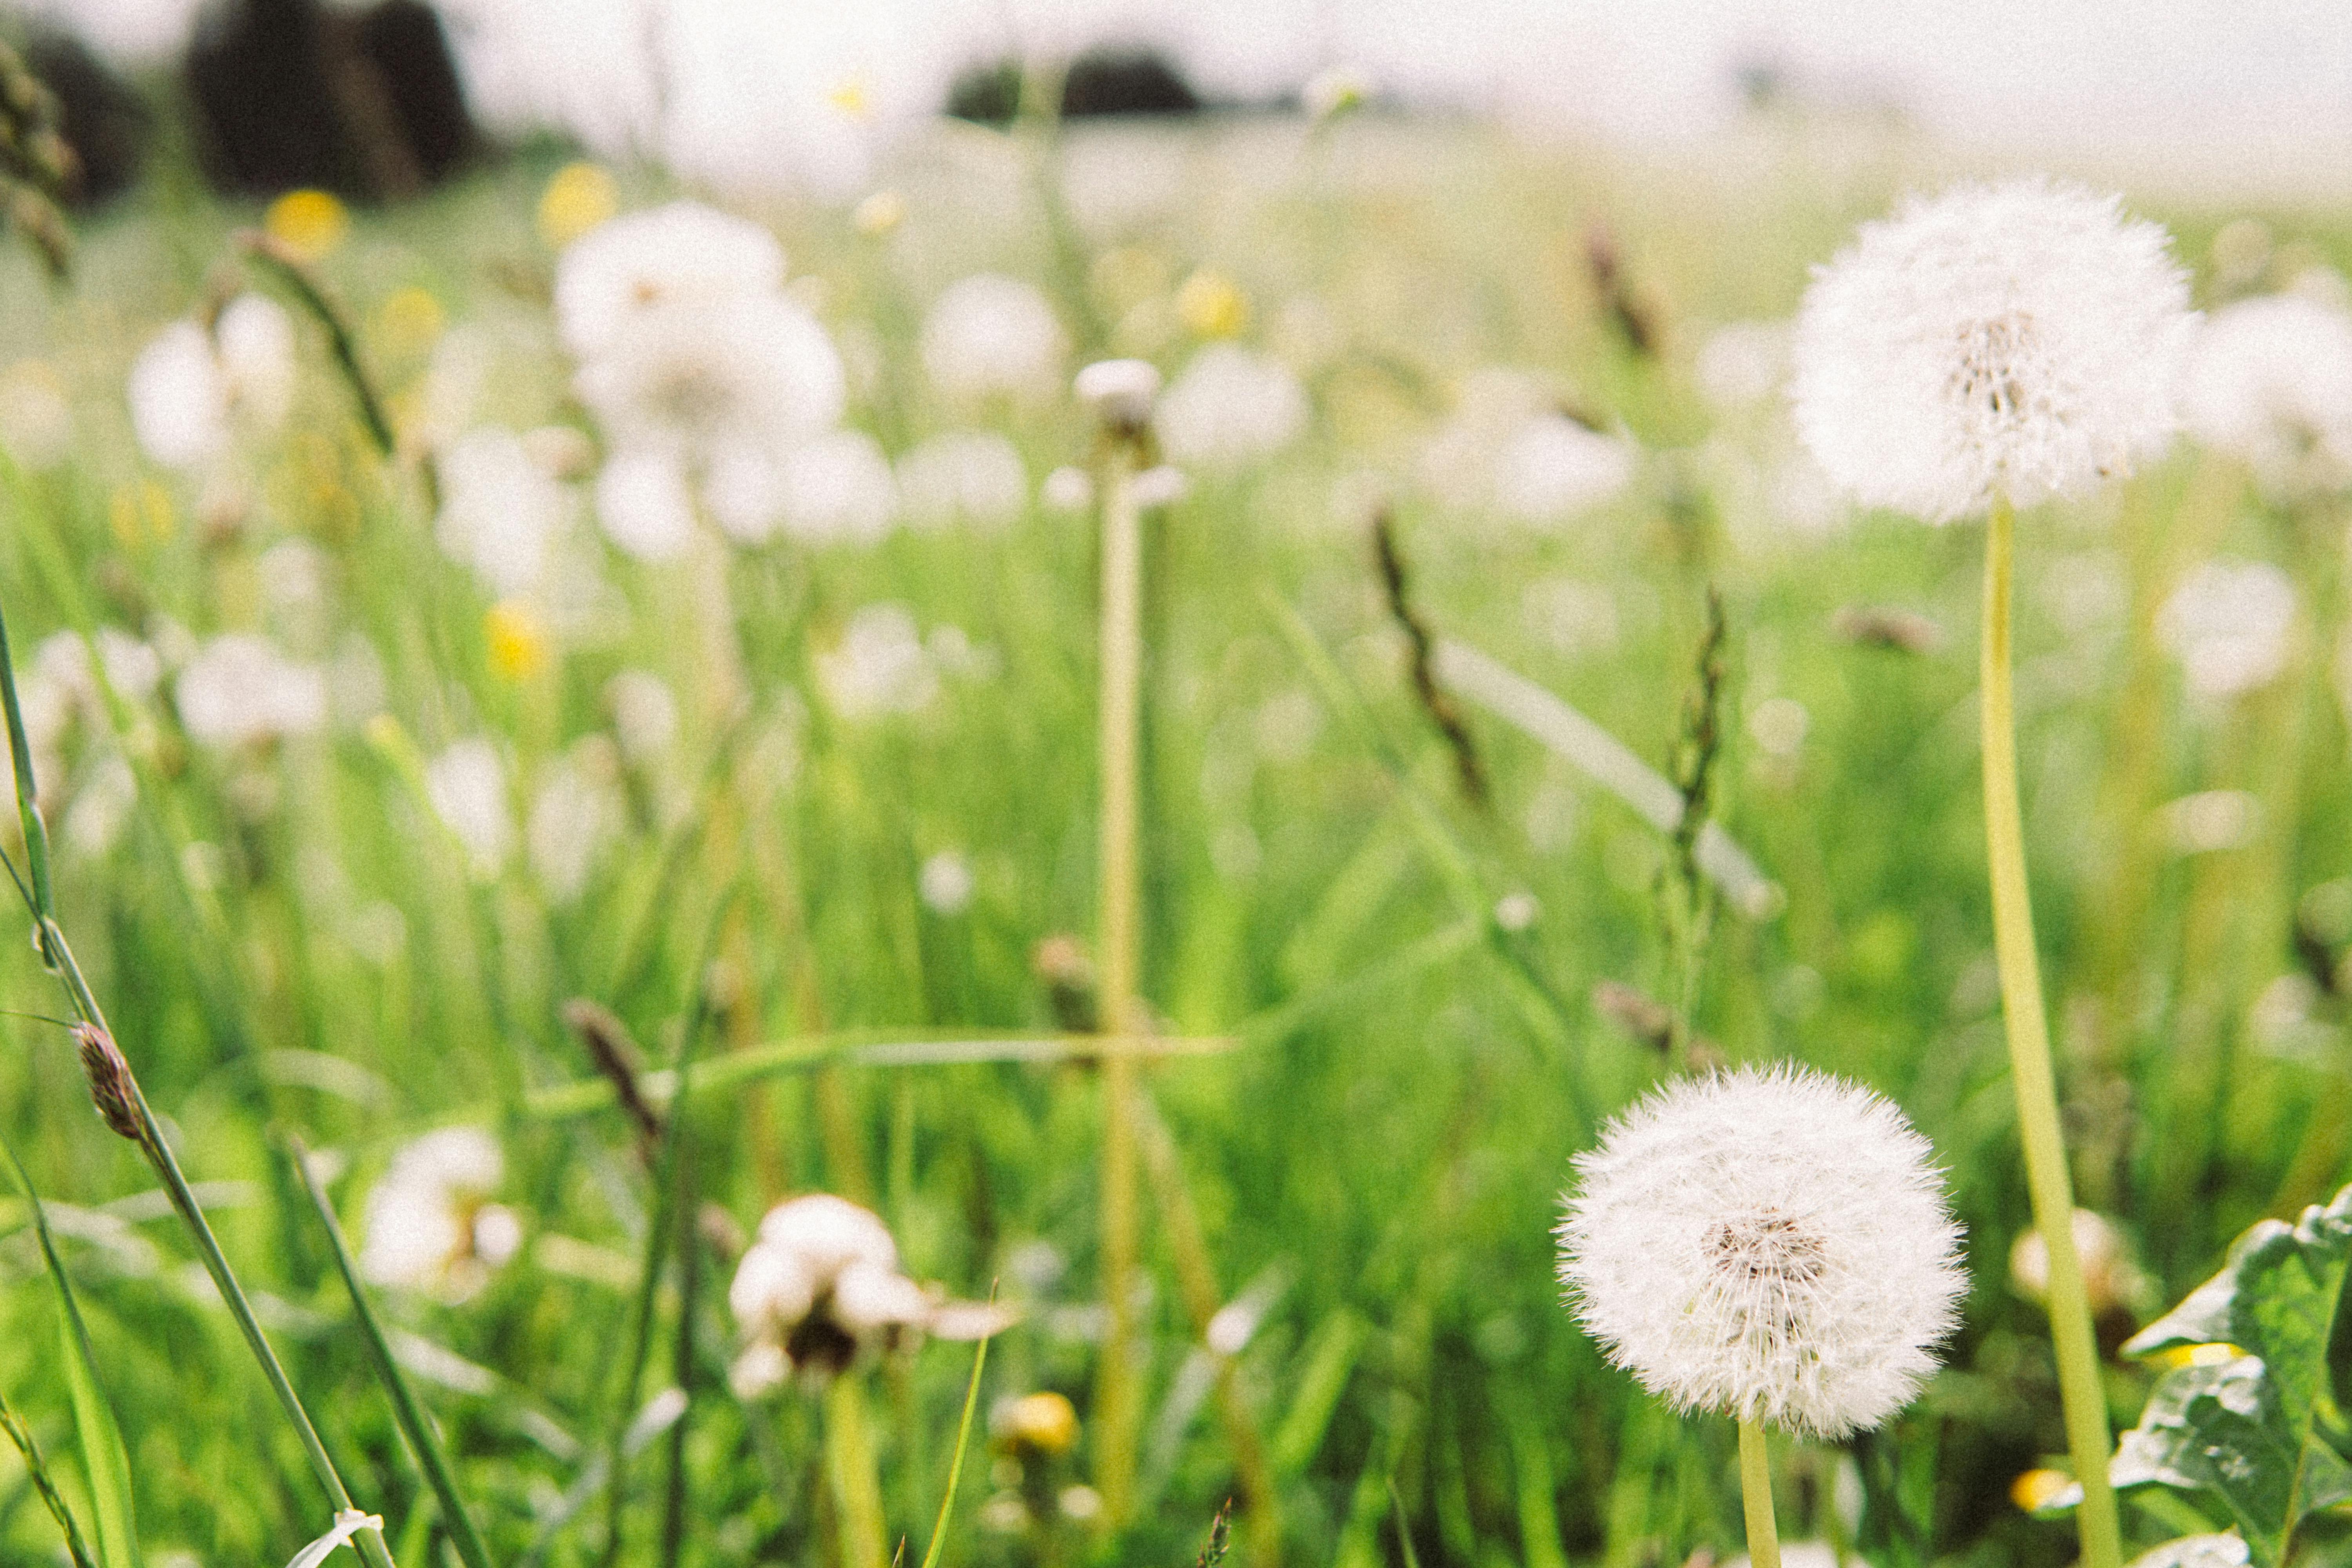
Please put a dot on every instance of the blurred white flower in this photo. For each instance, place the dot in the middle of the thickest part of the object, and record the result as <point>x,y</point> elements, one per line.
<point>645,715</point>
<point>991,334</point>
<point>946,883</point>
<point>837,488</point>
<point>1770,1244</point>
<point>1552,468</point>
<point>576,812</point>
<point>879,666</point>
<point>1067,490</point>
<point>971,477</point>
<point>430,1224</point>
<point>1231,406</point>
<point>2020,340</point>
<point>2109,1278</point>
<point>466,787</point>
<point>643,501</point>
<point>611,277</point>
<point>821,1284</point>
<point>500,510</point>
<point>102,807</point>
<point>1162,485</point>
<point>239,691</point>
<point>2228,623</point>
<point>1119,393</point>
<point>191,390</point>
<point>2271,381</point>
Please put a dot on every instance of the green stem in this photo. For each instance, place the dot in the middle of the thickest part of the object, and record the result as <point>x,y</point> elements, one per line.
<point>849,1470</point>
<point>1755,1496</point>
<point>2030,1066</point>
<point>1122,684</point>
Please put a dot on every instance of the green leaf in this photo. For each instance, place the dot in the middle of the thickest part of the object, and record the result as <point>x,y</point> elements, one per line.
<point>2258,1425</point>
<point>103,1458</point>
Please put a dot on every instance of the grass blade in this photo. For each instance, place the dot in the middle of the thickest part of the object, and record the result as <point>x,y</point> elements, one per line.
<point>103,1458</point>
<point>423,1440</point>
<point>20,758</point>
<point>955,1465</point>
<point>51,1499</point>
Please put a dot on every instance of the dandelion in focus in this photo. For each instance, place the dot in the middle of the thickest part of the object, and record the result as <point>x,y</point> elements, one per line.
<point>2020,340</point>
<point>2230,624</point>
<point>431,1225</point>
<point>1770,1245</point>
<point>310,223</point>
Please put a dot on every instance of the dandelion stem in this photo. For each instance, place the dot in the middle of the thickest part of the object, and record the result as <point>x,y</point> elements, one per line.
<point>1122,684</point>
<point>2029,1067</point>
<point>1755,1496</point>
<point>849,1468</point>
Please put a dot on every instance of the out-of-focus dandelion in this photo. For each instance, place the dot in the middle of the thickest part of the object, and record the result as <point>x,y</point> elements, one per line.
<point>645,715</point>
<point>500,510</point>
<point>821,1284</point>
<point>1162,485</point>
<point>879,213</point>
<point>681,254</point>
<point>1743,363</point>
<point>1231,406</point>
<point>971,477</point>
<point>1552,468</point>
<point>2020,340</point>
<point>837,488</point>
<point>516,640</point>
<point>194,388</point>
<point>576,811</point>
<point>2270,380</point>
<point>1067,490</point>
<point>946,883</point>
<point>1212,305</point>
<point>2109,1273</point>
<point>1770,1245</point>
<point>879,666</point>
<point>431,1225</point>
<point>310,223</point>
<point>988,335</point>
<point>1119,393</point>
<point>2230,624</point>
<point>576,198</point>
<point>466,787</point>
<point>239,691</point>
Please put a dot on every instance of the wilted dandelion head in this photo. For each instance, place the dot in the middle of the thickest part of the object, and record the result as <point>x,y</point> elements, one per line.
<point>2018,340</point>
<point>1768,1244</point>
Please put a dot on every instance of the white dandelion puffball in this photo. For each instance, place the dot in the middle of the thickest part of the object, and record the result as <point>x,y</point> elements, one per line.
<point>239,691</point>
<point>500,510</point>
<point>2018,340</point>
<point>1769,1244</point>
<point>466,786</point>
<point>970,477</point>
<point>1118,392</point>
<point>430,1224</point>
<point>694,376</point>
<point>946,883</point>
<point>1551,468</point>
<point>685,252</point>
<point>646,505</point>
<point>988,335</point>
<point>880,666</point>
<point>1231,406</point>
<point>192,388</point>
<point>2270,380</point>
<point>2228,624</point>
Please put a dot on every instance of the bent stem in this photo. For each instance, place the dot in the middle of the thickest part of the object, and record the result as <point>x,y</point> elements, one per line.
<point>2030,1066</point>
<point>1122,685</point>
<point>1755,1496</point>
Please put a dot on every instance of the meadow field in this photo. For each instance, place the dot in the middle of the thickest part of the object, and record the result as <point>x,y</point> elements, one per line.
<point>579,878</point>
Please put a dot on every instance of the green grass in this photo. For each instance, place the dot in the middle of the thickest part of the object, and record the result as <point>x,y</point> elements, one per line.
<point>1382,1150</point>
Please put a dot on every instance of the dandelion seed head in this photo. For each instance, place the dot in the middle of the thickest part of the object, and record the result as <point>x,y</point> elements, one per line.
<point>612,276</point>
<point>1118,392</point>
<point>1769,1244</point>
<point>2018,340</point>
<point>466,786</point>
<point>2270,380</point>
<point>970,477</point>
<point>988,335</point>
<point>429,1223</point>
<point>2230,624</point>
<point>239,691</point>
<point>500,510</point>
<point>1231,406</point>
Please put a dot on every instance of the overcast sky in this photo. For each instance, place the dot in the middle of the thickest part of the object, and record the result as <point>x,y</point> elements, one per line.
<point>749,81</point>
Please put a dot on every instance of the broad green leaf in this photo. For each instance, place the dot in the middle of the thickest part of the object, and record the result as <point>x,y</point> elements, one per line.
<point>2256,1425</point>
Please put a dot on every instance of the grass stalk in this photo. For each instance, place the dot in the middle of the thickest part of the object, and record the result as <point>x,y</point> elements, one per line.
<point>1755,1496</point>
<point>1117,1409</point>
<point>51,1499</point>
<point>414,1423</point>
<point>2022,1012</point>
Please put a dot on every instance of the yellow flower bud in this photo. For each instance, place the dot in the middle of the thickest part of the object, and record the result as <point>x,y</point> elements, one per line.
<point>309,223</point>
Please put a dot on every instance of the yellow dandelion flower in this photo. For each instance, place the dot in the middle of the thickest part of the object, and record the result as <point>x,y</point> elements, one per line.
<point>1212,305</point>
<point>2037,1489</point>
<point>1042,1422</point>
<point>2196,1355</point>
<point>310,223</point>
<point>518,641</point>
<point>579,197</point>
<point>409,321</point>
<point>142,512</point>
<point>852,97</point>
